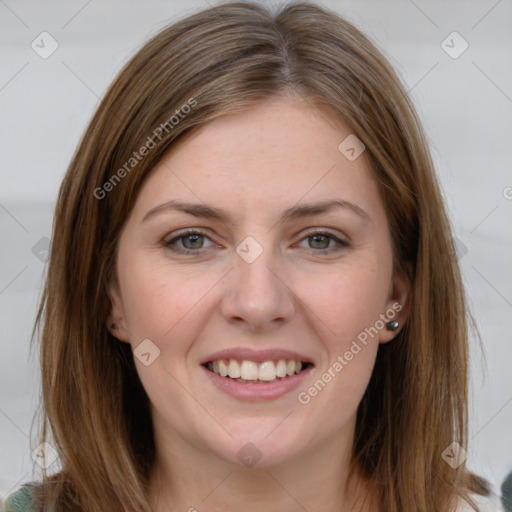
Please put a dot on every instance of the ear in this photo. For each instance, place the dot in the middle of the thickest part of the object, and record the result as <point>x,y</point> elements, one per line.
<point>396,306</point>
<point>116,322</point>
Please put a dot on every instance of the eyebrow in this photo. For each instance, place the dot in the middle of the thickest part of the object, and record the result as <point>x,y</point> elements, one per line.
<point>202,210</point>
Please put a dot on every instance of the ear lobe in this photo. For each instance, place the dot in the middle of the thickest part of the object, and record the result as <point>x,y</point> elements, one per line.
<point>396,306</point>
<point>116,323</point>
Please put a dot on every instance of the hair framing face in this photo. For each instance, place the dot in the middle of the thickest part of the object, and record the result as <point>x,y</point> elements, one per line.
<point>224,59</point>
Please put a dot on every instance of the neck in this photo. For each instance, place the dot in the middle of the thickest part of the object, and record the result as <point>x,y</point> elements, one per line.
<point>193,480</point>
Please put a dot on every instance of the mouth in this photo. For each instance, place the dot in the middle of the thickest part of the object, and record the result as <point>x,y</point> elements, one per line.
<point>253,372</point>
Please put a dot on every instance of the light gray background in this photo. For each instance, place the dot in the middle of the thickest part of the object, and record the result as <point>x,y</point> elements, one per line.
<point>465,104</point>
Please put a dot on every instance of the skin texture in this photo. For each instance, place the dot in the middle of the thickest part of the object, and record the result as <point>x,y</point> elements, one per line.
<point>296,295</point>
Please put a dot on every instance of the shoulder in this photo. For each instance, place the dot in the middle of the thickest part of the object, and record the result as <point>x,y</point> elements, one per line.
<point>23,500</point>
<point>490,503</point>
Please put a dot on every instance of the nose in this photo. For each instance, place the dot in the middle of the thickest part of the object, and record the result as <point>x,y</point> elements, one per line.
<point>257,295</point>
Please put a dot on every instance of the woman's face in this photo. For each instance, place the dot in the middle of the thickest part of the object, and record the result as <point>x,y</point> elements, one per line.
<point>253,246</point>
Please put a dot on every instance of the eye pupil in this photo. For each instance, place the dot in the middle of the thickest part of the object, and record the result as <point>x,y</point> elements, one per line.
<point>194,239</point>
<point>322,239</point>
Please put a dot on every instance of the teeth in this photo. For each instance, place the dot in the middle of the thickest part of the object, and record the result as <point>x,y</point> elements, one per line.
<point>223,368</point>
<point>233,369</point>
<point>267,371</point>
<point>281,368</point>
<point>250,371</point>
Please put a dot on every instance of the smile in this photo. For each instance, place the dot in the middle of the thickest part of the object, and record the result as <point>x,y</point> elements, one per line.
<point>252,372</point>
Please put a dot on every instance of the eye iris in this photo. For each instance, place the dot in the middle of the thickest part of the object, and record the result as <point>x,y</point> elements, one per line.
<point>196,241</point>
<point>322,239</point>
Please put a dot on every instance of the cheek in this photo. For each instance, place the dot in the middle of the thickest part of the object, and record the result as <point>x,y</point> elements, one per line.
<point>161,302</point>
<point>347,299</point>
<point>153,300</point>
<point>345,306</point>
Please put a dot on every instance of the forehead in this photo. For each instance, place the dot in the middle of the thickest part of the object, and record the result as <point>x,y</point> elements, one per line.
<point>269,157</point>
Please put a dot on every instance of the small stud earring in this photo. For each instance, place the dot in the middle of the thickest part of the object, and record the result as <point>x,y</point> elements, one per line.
<point>392,326</point>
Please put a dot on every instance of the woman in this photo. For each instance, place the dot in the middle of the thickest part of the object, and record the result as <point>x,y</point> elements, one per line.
<point>253,297</point>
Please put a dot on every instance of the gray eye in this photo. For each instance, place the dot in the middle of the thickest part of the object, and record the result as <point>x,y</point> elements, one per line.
<point>192,241</point>
<point>319,241</point>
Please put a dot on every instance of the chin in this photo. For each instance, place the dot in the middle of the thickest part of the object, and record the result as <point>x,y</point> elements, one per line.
<point>260,451</point>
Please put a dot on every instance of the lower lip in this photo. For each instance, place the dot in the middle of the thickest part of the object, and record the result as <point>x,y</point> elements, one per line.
<point>257,392</point>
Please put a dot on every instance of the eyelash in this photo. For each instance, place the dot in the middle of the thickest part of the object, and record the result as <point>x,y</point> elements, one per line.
<point>171,244</point>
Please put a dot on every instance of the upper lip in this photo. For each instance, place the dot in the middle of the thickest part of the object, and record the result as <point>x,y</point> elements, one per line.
<point>258,356</point>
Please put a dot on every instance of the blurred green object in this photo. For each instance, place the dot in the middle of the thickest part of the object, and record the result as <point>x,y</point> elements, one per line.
<point>506,493</point>
<point>23,500</point>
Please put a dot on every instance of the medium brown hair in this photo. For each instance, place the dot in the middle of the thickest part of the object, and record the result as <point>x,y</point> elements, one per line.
<point>226,58</point>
